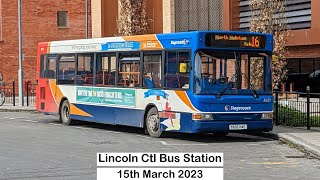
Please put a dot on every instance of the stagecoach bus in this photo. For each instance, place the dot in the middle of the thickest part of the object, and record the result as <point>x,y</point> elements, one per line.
<point>191,82</point>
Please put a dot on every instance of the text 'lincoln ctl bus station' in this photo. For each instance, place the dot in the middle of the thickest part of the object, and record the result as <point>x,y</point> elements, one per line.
<point>204,166</point>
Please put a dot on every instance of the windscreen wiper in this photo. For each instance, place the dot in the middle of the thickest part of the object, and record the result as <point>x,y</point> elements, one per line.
<point>233,77</point>
<point>254,92</point>
<point>225,88</point>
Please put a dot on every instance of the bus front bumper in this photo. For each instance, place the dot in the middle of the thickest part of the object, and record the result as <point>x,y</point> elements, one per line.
<point>264,125</point>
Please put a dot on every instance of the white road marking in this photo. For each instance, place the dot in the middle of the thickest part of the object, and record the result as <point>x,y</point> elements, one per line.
<point>12,118</point>
<point>166,144</point>
<point>143,136</point>
<point>81,128</point>
<point>31,121</point>
<point>253,144</point>
<point>114,132</point>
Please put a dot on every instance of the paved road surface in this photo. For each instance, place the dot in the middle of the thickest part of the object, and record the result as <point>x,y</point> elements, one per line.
<point>35,146</point>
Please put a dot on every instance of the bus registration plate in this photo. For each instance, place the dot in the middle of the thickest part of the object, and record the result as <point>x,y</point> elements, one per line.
<point>237,126</point>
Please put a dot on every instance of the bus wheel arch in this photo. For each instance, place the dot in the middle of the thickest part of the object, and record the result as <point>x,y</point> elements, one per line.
<point>64,111</point>
<point>152,121</point>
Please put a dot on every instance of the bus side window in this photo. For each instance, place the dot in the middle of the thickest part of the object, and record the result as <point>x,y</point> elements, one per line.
<point>47,66</point>
<point>152,70</point>
<point>106,69</point>
<point>177,66</point>
<point>129,69</point>
<point>50,72</point>
<point>84,74</point>
<point>66,71</point>
<point>43,65</point>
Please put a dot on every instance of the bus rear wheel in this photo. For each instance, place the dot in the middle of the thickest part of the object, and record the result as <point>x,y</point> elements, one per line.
<point>153,123</point>
<point>65,113</point>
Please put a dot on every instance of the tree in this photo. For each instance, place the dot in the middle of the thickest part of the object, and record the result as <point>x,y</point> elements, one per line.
<point>133,18</point>
<point>268,16</point>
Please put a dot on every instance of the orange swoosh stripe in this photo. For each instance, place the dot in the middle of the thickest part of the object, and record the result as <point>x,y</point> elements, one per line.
<point>149,41</point>
<point>57,94</point>
<point>76,111</point>
<point>183,96</point>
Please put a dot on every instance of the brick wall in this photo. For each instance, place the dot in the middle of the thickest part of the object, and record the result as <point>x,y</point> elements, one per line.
<point>311,51</point>
<point>39,23</point>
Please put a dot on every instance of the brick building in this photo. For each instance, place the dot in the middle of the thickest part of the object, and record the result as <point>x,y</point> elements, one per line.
<point>184,15</point>
<point>41,21</point>
<point>303,44</point>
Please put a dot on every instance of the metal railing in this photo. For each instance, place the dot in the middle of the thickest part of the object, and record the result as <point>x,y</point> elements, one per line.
<point>30,92</point>
<point>11,93</point>
<point>297,109</point>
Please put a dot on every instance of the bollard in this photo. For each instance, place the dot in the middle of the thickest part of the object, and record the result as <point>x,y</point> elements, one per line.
<point>308,107</point>
<point>27,88</point>
<point>276,105</point>
<point>291,88</point>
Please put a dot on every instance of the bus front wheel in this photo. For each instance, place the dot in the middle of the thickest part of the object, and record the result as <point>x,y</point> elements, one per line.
<point>65,113</point>
<point>153,123</point>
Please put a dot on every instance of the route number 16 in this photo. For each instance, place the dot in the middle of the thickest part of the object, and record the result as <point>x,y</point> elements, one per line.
<point>255,42</point>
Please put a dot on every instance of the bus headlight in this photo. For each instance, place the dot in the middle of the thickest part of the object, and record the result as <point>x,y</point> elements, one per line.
<point>202,117</point>
<point>267,116</point>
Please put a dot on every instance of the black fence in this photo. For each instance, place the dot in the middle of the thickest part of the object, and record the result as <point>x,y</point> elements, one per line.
<point>297,109</point>
<point>10,90</point>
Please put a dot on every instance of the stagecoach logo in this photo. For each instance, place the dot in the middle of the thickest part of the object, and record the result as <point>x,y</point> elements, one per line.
<point>237,108</point>
<point>182,42</point>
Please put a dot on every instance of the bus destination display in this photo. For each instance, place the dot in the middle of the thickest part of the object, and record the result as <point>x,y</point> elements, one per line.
<point>235,41</point>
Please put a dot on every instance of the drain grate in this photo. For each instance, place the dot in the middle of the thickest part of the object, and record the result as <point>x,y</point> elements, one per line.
<point>101,142</point>
<point>295,156</point>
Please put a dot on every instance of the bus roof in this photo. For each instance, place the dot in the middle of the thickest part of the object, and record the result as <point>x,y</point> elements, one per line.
<point>178,40</point>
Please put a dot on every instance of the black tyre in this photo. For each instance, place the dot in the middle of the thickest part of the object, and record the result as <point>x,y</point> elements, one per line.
<point>153,123</point>
<point>2,98</point>
<point>220,134</point>
<point>65,113</point>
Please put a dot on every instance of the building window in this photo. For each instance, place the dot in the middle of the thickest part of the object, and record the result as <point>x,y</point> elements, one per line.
<point>298,14</point>
<point>198,15</point>
<point>62,19</point>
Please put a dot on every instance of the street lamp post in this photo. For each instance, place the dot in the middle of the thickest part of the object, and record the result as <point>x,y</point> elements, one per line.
<point>87,29</point>
<point>20,71</point>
